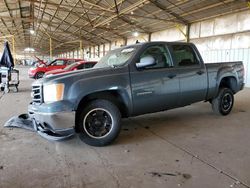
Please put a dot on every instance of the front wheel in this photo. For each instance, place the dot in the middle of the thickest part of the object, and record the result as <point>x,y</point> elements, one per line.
<point>224,101</point>
<point>99,123</point>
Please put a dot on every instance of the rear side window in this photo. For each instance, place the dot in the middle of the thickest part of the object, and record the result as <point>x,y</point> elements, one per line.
<point>70,62</point>
<point>58,63</point>
<point>184,55</point>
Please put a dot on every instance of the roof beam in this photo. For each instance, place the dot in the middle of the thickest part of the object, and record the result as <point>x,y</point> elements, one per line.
<point>73,33</point>
<point>97,6</point>
<point>133,23</point>
<point>125,10</point>
<point>40,20</point>
<point>70,6</point>
<point>151,18</point>
<point>116,7</point>
<point>162,7</point>
<point>72,24</point>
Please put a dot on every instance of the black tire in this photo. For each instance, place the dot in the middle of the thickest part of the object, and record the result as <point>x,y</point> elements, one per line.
<point>99,123</point>
<point>39,75</point>
<point>223,103</point>
<point>2,88</point>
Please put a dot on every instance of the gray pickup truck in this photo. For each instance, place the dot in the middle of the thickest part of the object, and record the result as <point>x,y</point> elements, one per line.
<point>130,81</point>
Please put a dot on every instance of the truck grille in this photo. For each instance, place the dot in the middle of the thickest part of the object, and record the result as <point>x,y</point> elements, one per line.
<point>37,96</point>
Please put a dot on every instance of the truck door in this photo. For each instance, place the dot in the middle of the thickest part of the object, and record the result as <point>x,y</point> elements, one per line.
<point>191,73</point>
<point>156,87</point>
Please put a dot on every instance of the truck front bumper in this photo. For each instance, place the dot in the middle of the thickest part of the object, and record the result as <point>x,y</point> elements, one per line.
<point>59,122</point>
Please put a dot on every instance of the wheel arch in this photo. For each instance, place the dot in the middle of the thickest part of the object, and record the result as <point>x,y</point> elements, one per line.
<point>113,96</point>
<point>35,76</point>
<point>229,82</point>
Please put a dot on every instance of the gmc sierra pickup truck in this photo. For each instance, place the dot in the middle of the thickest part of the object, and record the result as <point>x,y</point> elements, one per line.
<point>130,81</point>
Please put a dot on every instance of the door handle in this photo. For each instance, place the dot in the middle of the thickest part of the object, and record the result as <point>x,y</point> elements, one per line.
<point>171,76</point>
<point>200,72</point>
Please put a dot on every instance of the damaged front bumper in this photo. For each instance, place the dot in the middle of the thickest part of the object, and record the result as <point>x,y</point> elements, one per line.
<point>57,121</point>
<point>52,125</point>
<point>26,122</point>
<point>51,120</point>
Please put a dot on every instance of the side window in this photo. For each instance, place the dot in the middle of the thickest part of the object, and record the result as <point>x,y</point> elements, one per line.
<point>58,63</point>
<point>80,67</point>
<point>184,55</point>
<point>69,62</point>
<point>160,54</point>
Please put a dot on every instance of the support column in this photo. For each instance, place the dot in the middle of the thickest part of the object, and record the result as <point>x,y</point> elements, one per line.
<point>90,55</point>
<point>81,51</point>
<point>50,48</point>
<point>188,32</point>
<point>98,51</point>
<point>149,37</point>
<point>103,50</point>
<point>125,41</point>
<point>13,49</point>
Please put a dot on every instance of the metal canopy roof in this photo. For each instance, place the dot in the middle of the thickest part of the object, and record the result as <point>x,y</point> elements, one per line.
<point>99,21</point>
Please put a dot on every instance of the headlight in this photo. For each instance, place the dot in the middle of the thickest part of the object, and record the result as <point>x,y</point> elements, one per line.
<point>53,92</point>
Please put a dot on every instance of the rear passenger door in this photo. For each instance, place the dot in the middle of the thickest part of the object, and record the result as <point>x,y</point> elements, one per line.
<point>191,73</point>
<point>156,87</point>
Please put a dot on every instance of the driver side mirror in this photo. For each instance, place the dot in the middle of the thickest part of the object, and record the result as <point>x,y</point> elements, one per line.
<point>146,62</point>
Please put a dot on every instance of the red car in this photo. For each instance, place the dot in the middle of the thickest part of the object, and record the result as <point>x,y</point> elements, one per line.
<point>60,63</point>
<point>39,61</point>
<point>75,66</point>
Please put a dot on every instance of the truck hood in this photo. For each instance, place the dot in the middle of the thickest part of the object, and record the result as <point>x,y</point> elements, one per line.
<point>70,77</point>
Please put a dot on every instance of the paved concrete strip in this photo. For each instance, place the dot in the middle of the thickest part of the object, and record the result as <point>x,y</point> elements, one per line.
<point>194,156</point>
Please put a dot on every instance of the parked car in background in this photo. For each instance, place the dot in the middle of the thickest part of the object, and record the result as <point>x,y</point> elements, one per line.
<point>60,63</point>
<point>75,66</point>
<point>38,62</point>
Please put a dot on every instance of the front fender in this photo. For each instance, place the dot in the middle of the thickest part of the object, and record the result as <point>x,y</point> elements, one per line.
<point>118,82</point>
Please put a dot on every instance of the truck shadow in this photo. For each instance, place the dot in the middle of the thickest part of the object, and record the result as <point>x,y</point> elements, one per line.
<point>189,121</point>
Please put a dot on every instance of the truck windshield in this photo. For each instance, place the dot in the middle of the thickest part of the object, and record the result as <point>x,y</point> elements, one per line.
<point>116,58</point>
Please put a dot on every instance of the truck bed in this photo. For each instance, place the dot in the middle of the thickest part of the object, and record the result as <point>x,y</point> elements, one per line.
<point>215,70</point>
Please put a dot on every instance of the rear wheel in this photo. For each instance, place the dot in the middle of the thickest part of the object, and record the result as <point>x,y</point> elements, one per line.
<point>224,101</point>
<point>39,75</point>
<point>99,123</point>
